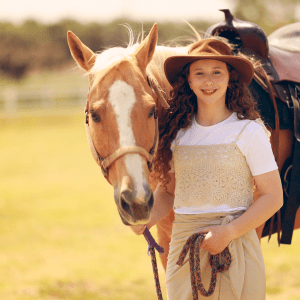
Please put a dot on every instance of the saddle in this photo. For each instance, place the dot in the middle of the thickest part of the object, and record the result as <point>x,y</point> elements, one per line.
<point>278,72</point>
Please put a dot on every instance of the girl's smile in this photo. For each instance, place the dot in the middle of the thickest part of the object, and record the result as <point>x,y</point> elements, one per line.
<point>208,91</point>
<point>209,80</point>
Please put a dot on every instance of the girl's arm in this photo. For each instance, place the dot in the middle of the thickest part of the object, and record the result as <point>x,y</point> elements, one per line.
<point>270,201</point>
<point>163,204</point>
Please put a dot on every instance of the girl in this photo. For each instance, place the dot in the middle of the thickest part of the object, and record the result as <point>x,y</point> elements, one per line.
<point>212,146</point>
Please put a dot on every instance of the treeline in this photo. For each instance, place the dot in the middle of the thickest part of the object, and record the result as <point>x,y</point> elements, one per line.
<point>36,46</point>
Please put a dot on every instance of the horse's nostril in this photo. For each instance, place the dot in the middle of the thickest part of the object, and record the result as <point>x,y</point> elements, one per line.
<point>124,204</point>
<point>150,202</point>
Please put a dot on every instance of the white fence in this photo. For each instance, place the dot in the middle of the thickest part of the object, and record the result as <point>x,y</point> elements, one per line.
<point>14,103</point>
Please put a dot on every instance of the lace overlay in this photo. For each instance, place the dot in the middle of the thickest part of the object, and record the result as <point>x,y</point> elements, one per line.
<point>212,175</point>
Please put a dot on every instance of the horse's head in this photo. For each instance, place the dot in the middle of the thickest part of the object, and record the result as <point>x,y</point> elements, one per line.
<point>121,121</point>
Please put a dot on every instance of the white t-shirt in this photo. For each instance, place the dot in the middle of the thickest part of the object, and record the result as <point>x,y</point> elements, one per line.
<point>254,143</point>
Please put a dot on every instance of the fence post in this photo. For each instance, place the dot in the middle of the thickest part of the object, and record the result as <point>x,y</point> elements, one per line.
<point>10,101</point>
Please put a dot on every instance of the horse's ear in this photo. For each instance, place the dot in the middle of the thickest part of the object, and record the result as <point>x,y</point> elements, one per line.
<point>83,55</point>
<point>146,49</point>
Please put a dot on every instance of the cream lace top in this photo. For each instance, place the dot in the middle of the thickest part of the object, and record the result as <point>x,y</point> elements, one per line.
<point>212,178</point>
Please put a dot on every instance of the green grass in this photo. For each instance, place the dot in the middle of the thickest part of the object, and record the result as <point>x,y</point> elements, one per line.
<point>282,268</point>
<point>60,234</point>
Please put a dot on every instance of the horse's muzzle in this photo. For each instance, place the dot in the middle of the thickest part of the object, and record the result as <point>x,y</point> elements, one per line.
<point>134,211</point>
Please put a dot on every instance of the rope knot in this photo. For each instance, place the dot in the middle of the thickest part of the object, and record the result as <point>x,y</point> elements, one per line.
<point>193,244</point>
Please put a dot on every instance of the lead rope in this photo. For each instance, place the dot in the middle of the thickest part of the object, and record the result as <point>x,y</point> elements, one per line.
<point>152,245</point>
<point>193,244</point>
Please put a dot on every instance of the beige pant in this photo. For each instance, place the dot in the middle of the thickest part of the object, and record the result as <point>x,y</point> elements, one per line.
<point>244,280</point>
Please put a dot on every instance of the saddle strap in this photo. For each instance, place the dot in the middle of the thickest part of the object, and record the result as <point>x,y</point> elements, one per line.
<point>276,150</point>
<point>293,200</point>
<point>294,89</point>
<point>294,191</point>
<point>277,124</point>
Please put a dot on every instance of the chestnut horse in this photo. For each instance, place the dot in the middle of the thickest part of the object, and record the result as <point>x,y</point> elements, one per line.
<point>127,90</point>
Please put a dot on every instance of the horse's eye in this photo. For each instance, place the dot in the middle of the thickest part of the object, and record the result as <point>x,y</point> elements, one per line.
<point>151,112</point>
<point>95,116</point>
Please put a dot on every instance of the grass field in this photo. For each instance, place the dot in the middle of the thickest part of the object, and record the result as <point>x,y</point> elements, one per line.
<point>61,236</point>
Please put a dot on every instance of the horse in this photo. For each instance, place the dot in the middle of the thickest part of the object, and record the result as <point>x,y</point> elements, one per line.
<point>126,93</point>
<point>135,75</point>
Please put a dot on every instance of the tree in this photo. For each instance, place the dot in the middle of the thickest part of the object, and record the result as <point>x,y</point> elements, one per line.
<point>268,14</point>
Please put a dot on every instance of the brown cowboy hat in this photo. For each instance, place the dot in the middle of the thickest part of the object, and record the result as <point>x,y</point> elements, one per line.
<point>210,48</point>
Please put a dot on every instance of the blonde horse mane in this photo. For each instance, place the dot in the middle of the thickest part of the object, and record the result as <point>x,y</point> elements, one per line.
<point>110,58</point>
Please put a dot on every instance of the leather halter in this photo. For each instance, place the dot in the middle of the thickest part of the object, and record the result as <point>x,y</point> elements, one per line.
<point>105,163</point>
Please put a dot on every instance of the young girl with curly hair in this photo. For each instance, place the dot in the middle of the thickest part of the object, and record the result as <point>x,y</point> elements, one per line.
<point>212,147</point>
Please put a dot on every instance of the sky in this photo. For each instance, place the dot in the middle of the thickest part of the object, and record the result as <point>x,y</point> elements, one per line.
<point>17,11</point>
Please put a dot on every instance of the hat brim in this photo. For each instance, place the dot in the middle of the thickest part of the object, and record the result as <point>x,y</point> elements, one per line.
<point>174,65</point>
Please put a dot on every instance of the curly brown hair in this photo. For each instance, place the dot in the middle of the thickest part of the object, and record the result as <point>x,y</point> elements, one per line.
<point>183,106</point>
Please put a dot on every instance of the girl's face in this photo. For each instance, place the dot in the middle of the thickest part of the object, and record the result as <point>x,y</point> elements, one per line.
<point>209,79</point>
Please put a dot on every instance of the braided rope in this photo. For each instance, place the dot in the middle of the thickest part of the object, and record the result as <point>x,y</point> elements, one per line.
<point>193,244</point>
<point>152,245</point>
<point>155,272</point>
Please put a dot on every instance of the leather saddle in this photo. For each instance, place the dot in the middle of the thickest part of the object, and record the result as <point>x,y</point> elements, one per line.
<point>278,71</point>
<point>285,52</point>
<point>278,58</point>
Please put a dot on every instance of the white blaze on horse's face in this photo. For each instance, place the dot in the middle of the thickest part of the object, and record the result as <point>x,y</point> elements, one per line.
<point>122,98</point>
<point>120,112</point>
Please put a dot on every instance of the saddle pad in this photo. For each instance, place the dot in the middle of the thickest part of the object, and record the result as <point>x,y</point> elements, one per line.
<point>286,64</point>
<point>286,37</point>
